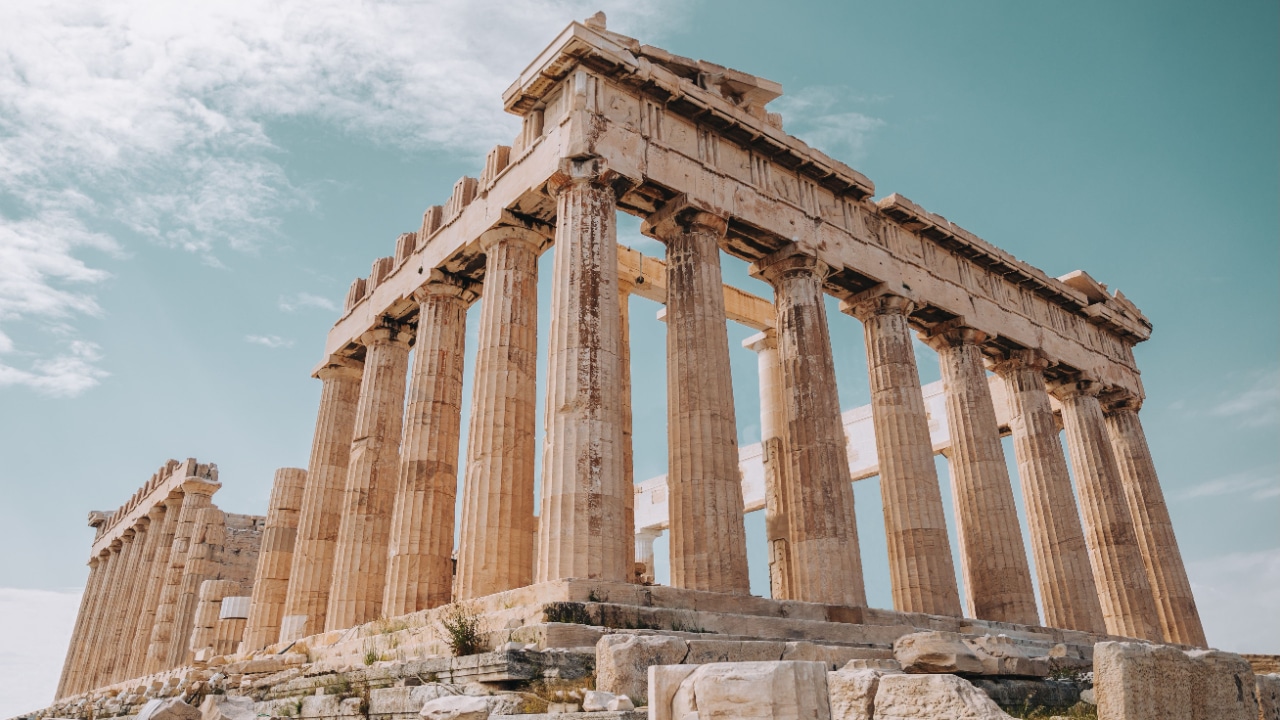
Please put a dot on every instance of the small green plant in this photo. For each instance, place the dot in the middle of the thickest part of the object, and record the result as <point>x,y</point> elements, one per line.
<point>1079,711</point>
<point>462,630</point>
<point>342,688</point>
<point>371,657</point>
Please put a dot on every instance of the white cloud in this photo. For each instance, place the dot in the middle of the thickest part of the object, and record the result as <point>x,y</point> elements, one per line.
<point>822,117</point>
<point>66,374</point>
<point>156,117</point>
<point>306,301</point>
<point>1259,484</point>
<point>1258,405</point>
<point>1235,593</point>
<point>35,629</point>
<point>269,341</point>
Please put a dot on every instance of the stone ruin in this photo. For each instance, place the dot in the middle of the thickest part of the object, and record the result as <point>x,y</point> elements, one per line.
<point>349,600</point>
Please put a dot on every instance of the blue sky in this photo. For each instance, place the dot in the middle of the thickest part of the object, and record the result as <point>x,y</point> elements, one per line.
<point>186,194</point>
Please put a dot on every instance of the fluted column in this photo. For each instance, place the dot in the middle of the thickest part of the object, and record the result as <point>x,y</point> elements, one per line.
<point>360,557</point>
<point>644,554</point>
<point>208,538</point>
<point>275,557</point>
<point>1067,592</point>
<point>164,525</point>
<point>113,619</point>
<point>993,559</point>
<point>826,565</point>
<point>495,550</point>
<point>307,599</point>
<point>920,568</point>
<point>131,598</point>
<point>197,495</point>
<point>208,610</point>
<point>708,538</point>
<point>626,286</point>
<point>73,669</point>
<point>773,426</point>
<point>92,661</point>
<point>583,528</point>
<point>1125,594</point>
<point>420,571</point>
<point>1175,605</point>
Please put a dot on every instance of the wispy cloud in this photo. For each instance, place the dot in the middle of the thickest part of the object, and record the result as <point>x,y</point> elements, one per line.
<point>1232,593</point>
<point>824,117</point>
<point>1258,405</point>
<point>1258,484</point>
<point>66,374</point>
<point>306,301</point>
<point>130,119</point>
<point>269,341</point>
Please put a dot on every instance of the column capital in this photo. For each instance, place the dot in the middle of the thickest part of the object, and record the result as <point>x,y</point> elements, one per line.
<point>1079,386</point>
<point>94,562</point>
<point>581,171</point>
<point>386,332</point>
<point>512,234</point>
<point>200,486</point>
<point>879,300</point>
<point>98,518</point>
<point>789,259</point>
<point>953,334</point>
<point>761,341</point>
<point>143,522</point>
<point>1119,402</point>
<point>337,366</point>
<point>445,284</point>
<point>1011,361</point>
<point>681,215</point>
<point>128,533</point>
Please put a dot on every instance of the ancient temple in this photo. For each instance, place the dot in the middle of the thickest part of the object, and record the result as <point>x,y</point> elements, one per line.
<point>367,532</point>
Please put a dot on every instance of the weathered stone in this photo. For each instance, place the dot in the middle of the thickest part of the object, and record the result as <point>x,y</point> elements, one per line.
<point>664,682</point>
<point>852,692</point>
<point>597,700</point>
<point>763,690</point>
<point>936,652</point>
<point>1268,692</point>
<point>1000,656</point>
<point>1223,686</point>
<point>620,702</point>
<point>1137,681</point>
<point>1016,692</point>
<point>168,709</point>
<point>930,697</point>
<point>622,661</point>
<point>227,707</point>
<point>458,707</point>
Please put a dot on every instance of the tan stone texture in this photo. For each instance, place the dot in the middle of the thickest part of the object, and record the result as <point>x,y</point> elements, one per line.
<point>920,567</point>
<point>931,697</point>
<point>1137,681</point>
<point>92,587</point>
<point>197,495</point>
<point>164,520</point>
<point>754,691</point>
<point>419,571</point>
<point>132,596</point>
<point>112,621</point>
<point>360,556</point>
<point>495,549</point>
<point>1067,591</point>
<point>584,495</point>
<point>625,286</point>
<point>208,610</point>
<point>993,559</point>
<point>307,599</point>
<point>275,558</point>
<point>773,431</point>
<point>825,562</point>
<point>208,536</point>
<point>1175,605</point>
<point>708,540</point>
<point>1128,608</point>
<point>75,676</point>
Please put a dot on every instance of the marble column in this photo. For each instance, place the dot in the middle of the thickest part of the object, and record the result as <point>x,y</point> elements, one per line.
<point>114,568</point>
<point>138,592</point>
<point>307,599</point>
<point>626,286</point>
<point>360,556</point>
<point>208,537</point>
<point>275,557</point>
<point>826,565</point>
<point>495,550</point>
<point>208,610</point>
<point>113,619</point>
<point>708,537</point>
<point>773,427</point>
<point>1067,591</point>
<point>993,559</point>
<point>197,495</point>
<point>89,601</point>
<point>922,575</point>
<point>584,493</point>
<point>131,598</point>
<point>79,681</point>
<point>1128,608</point>
<point>165,525</point>
<point>1170,588</point>
<point>644,554</point>
<point>419,569</point>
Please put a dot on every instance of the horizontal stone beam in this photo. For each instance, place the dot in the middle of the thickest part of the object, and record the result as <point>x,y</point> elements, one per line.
<point>649,277</point>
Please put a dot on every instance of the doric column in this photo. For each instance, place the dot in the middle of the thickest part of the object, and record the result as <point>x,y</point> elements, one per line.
<point>993,560</point>
<point>113,619</point>
<point>232,618</point>
<point>920,567</point>
<point>1067,592</point>
<point>138,593</point>
<point>197,495</point>
<point>826,565</point>
<point>163,527</point>
<point>708,538</point>
<point>495,550</point>
<point>275,557</point>
<point>626,286</point>
<point>1175,605</point>
<point>360,556</point>
<point>584,493</point>
<point>208,537</point>
<point>1125,594</point>
<point>92,659</point>
<point>644,554</point>
<point>307,599</point>
<point>419,571</point>
<point>773,439</point>
<point>85,621</point>
<point>127,621</point>
<point>208,609</point>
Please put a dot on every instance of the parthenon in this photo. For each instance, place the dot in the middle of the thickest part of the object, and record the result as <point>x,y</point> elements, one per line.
<point>366,533</point>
